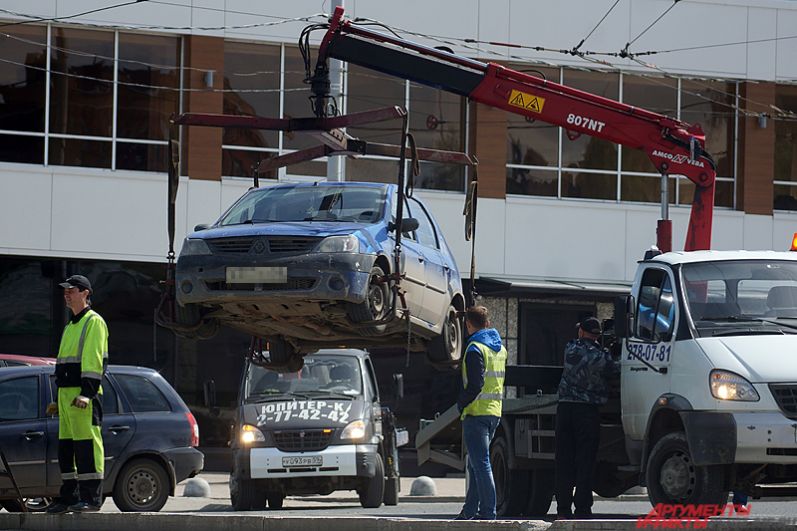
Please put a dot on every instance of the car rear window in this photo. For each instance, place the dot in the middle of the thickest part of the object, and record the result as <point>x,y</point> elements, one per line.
<point>142,394</point>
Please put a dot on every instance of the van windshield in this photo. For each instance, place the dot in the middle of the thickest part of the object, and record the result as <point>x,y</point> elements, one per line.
<point>751,292</point>
<point>328,376</point>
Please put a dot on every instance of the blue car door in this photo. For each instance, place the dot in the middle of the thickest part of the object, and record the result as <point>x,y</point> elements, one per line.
<point>118,428</point>
<point>435,298</point>
<point>22,430</point>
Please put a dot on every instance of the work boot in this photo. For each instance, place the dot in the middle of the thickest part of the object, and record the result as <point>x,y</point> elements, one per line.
<point>57,508</point>
<point>84,507</point>
<point>462,516</point>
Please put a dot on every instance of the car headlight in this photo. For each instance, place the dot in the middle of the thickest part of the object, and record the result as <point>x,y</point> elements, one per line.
<point>727,385</point>
<point>340,244</point>
<point>250,434</point>
<point>355,431</point>
<point>194,247</point>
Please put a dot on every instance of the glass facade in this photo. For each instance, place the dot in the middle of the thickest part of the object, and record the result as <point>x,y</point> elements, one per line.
<point>786,150</point>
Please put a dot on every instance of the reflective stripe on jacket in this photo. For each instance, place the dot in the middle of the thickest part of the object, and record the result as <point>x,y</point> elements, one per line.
<point>488,401</point>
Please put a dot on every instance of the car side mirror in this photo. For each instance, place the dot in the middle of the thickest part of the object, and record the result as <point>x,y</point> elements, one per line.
<point>398,383</point>
<point>209,390</point>
<point>201,226</point>
<point>407,225</point>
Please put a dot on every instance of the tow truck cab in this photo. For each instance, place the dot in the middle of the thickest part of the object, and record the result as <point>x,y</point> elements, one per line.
<point>314,432</point>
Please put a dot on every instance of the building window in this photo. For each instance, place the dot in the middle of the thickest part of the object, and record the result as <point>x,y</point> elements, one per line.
<point>22,82</point>
<point>786,150</point>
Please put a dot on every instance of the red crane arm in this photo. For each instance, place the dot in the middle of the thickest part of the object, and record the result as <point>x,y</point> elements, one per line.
<point>674,147</point>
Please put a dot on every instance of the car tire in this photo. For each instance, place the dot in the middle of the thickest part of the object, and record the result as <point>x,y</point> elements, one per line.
<point>445,350</point>
<point>283,357</point>
<point>142,486</point>
<point>375,307</point>
<point>246,494</point>
<point>673,478</point>
<point>391,491</point>
<point>510,485</point>
<point>275,500</point>
<point>373,492</point>
<point>189,316</point>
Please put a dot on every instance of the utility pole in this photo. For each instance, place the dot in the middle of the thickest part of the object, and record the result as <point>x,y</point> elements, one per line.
<point>336,168</point>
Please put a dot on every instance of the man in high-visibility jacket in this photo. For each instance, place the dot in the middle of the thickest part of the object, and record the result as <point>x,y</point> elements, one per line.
<point>480,406</point>
<point>82,359</point>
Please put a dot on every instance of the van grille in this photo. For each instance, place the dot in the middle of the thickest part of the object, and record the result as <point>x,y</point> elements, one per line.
<point>245,245</point>
<point>302,440</point>
<point>292,245</point>
<point>786,397</point>
<point>230,245</point>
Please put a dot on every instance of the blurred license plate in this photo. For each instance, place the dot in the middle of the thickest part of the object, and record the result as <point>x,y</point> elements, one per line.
<point>257,275</point>
<point>308,460</point>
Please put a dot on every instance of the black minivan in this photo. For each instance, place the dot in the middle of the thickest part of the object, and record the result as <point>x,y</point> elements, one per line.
<point>149,434</point>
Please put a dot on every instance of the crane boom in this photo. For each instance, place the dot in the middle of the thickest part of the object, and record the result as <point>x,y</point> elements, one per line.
<point>674,147</point>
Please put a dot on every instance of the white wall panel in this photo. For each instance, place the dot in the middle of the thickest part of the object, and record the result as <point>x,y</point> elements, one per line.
<point>25,200</point>
<point>784,228</point>
<point>203,203</point>
<point>761,24</point>
<point>787,48</point>
<point>758,233</point>
<point>39,8</point>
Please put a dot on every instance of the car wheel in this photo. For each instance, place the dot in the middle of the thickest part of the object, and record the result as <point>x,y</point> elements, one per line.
<point>190,317</point>
<point>275,500</point>
<point>673,478</point>
<point>142,486</point>
<point>445,350</point>
<point>372,494</point>
<point>283,357</point>
<point>375,307</point>
<point>246,494</point>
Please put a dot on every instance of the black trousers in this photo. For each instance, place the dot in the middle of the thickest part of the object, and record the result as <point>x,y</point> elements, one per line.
<point>577,439</point>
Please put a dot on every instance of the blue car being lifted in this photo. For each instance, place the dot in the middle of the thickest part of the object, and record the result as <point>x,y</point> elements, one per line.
<point>311,265</point>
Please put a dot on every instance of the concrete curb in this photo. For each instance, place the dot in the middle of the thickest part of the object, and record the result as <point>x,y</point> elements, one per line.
<point>211,522</point>
<point>718,524</point>
<point>402,499</point>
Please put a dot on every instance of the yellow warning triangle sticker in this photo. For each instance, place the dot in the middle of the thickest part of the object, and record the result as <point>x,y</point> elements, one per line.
<point>533,105</point>
<point>518,101</point>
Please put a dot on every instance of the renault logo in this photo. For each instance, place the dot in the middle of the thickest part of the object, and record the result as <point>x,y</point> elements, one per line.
<point>259,247</point>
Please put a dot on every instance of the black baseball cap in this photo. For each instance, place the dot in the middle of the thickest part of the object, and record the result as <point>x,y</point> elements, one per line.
<point>590,325</point>
<point>77,281</point>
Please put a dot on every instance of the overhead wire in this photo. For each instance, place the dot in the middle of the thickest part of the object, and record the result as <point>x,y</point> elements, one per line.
<point>624,51</point>
<point>67,17</point>
<point>575,49</point>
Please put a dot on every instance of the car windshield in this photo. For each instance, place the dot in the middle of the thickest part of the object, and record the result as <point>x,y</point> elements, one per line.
<point>361,204</point>
<point>321,376</point>
<point>745,293</point>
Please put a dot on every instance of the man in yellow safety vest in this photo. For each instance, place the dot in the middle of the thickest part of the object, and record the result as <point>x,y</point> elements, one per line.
<point>82,359</point>
<point>480,406</point>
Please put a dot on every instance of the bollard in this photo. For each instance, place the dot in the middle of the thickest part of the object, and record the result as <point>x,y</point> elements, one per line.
<point>196,488</point>
<point>423,486</point>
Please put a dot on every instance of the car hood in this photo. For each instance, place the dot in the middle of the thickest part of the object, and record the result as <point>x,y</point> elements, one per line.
<point>298,228</point>
<point>760,358</point>
<point>303,414</point>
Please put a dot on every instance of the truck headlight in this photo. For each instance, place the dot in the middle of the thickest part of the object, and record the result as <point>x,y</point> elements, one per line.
<point>194,247</point>
<point>340,244</point>
<point>727,385</point>
<point>250,434</point>
<point>355,431</point>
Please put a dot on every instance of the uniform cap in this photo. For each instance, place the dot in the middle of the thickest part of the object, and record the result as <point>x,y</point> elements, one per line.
<point>76,281</point>
<point>590,325</point>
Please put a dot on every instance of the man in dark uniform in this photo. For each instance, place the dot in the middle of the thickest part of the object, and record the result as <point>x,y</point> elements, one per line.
<point>581,392</point>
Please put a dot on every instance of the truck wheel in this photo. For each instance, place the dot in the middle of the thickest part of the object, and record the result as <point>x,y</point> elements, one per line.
<point>373,492</point>
<point>541,487</point>
<point>275,500</point>
<point>392,491</point>
<point>376,305</point>
<point>510,485</point>
<point>142,486</point>
<point>673,478</point>
<point>246,494</point>
<point>445,350</point>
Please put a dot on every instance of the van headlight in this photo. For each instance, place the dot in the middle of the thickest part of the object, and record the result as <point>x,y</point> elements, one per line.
<point>339,244</point>
<point>194,247</point>
<point>251,434</point>
<point>726,385</point>
<point>355,431</point>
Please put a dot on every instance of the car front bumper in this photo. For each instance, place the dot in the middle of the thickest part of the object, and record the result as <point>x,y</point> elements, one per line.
<point>320,276</point>
<point>350,460</point>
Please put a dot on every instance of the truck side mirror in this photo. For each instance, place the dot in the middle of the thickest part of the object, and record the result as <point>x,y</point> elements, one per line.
<point>209,390</point>
<point>623,316</point>
<point>398,382</point>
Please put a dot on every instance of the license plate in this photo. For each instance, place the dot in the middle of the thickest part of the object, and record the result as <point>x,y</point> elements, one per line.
<point>307,460</point>
<point>257,275</point>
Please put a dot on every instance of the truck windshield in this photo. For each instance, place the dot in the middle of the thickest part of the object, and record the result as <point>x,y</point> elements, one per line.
<point>361,204</point>
<point>321,376</point>
<point>753,292</point>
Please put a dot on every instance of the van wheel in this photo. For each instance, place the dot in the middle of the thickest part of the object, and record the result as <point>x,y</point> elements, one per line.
<point>392,491</point>
<point>142,486</point>
<point>510,485</point>
<point>445,350</point>
<point>246,495</point>
<point>673,478</point>
<point>541,487</point>
<point>275,500</point>
<point>375,307</point>
<point>373,492</point>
